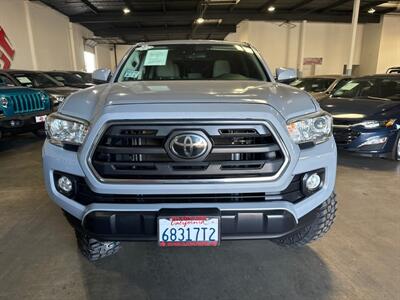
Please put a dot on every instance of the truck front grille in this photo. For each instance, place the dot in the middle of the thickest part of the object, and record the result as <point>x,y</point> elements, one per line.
<point>344,135</point>
<point>138,152</point>
<point>27,103</point>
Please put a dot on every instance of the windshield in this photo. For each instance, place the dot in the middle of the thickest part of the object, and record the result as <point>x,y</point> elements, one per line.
<point>371,88</point>
<point>67,78</point>
<point>36,80</point>
<point>313,84</point>
<point>192,62</point>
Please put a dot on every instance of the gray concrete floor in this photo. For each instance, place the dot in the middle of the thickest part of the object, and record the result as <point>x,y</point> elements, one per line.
<point>358,259</point>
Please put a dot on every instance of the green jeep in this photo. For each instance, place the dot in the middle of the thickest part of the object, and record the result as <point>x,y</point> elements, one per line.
<point>23,110</point>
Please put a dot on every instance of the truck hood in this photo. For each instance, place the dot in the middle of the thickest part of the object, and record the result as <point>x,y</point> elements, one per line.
<point>288,101</point>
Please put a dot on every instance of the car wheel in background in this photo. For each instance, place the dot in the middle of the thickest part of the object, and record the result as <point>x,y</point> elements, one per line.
<point>40,133</point>
<point>396,149</point>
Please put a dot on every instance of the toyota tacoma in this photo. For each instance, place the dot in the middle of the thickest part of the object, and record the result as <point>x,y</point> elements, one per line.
<point>190,143</point>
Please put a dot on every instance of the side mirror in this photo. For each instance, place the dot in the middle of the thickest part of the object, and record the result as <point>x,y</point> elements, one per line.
<point>101,76</point>
<point>283,74</point>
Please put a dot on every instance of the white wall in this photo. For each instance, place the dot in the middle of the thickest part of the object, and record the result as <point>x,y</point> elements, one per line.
<point>370,48</point>
<point>103,58</point>
<point>13,21</point>
<point>389,49</point>
<point>44,39</point>
<point>120,51</point>
<point>278,43</point>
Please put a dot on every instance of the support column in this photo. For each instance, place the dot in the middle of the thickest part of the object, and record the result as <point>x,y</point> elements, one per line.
<point>302,43</point>
<point>72,43</point>
<point>30,35</point>
<point>354,23</point>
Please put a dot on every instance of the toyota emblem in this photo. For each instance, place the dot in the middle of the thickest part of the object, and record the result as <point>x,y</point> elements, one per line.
<point>188,145</point>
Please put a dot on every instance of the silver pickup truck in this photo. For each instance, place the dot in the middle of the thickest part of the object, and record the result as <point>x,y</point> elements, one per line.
<point>190,143</point>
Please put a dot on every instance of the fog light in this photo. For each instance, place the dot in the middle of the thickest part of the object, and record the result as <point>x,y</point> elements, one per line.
<point>65,184</point>
<point>313,182</point>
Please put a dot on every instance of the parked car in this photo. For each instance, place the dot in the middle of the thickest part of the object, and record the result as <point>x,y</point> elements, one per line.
<point>320,86</point>
<point>393,70</point>
<point>86,77</point>
<point>366,116</point>
<point>41,81</point>
<point>22,109</point>
<point>191,143</point>
<point>69,79</point>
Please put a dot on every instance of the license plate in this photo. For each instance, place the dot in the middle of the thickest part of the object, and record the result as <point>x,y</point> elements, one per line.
<point>40,119</point>
<point>188,231</point>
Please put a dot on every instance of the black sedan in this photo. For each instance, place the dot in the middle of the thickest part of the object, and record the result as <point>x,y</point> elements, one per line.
<point>366,116</point>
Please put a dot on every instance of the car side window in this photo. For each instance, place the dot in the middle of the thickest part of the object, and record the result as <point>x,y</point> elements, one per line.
<point>341,83</point>
<point>390,88</point>
<point>5,81</point>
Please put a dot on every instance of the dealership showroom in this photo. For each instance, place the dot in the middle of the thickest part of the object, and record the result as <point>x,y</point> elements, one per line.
<point>199,149</point>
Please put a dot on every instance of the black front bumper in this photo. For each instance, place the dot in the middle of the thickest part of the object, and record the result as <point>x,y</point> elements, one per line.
<point>235,225</point>
<point>20,124</point>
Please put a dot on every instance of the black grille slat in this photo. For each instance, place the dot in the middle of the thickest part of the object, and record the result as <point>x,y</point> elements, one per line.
<point>86,196</point>
<point>344,135</point>
<point>137,151</point>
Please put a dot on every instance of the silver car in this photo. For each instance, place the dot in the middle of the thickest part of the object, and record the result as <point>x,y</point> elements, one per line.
<point>191,143</point>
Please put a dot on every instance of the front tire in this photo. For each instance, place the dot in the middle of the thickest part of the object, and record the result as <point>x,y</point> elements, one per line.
<point>94,249</point>
<point>323,221</point>
<point>396,149</point>
<point>41,133</point>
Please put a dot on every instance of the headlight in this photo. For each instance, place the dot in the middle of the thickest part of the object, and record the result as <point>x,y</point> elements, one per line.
<point>62,130</point>
<point>375,124</point>
<point>58,99</point>
<point>313,128</point>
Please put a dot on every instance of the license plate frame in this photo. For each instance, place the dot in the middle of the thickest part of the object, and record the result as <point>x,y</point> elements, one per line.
<point>208,233</point>
<point>40,119</point>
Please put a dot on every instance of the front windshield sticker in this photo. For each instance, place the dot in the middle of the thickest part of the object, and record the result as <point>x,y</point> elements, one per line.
<point>349,86</point>
<point>131,74</point>
<point>156,57</point>
<point>24,80</point>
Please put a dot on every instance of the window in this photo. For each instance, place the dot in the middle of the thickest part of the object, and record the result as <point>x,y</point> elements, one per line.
<point>36,80</point>
<point>90,61</point>
<point>340,83</point>
<point>66,78</point>
<point>371,88</point>
<point>5,81</point>
<point>192,62</point>
<point>313,84</point>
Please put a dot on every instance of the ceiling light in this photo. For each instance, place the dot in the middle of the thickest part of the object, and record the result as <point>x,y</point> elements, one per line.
<point>126,10</point>
<point>271,8</point>
<point>200,20</point>
<point>371,10</point>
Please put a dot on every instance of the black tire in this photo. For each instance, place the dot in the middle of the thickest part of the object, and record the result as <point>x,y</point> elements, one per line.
<point>94,249</point>
<point>395,152</point>
<point>323,221</point>
<point>41,133</point>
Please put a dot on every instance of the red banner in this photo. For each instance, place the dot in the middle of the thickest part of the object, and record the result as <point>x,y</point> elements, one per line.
<point>6,50</point>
